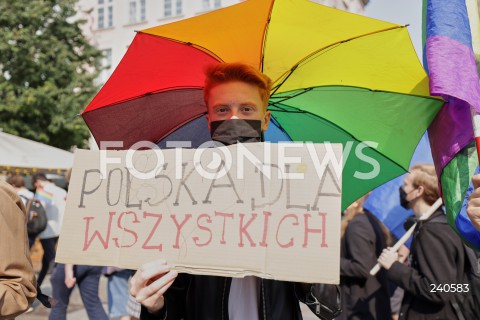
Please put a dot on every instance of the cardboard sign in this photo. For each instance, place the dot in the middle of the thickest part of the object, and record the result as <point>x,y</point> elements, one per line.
<point>269,210</point>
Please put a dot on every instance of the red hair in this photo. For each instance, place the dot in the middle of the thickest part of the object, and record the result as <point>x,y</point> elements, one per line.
<point>228,72</point>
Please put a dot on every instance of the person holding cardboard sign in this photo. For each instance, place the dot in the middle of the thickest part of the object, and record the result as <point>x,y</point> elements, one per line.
<point>237,97</point>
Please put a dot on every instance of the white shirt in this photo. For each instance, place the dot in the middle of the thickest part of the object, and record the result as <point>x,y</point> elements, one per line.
<point>24,192</point>
<point>243,299</point>
<point>55,207</point>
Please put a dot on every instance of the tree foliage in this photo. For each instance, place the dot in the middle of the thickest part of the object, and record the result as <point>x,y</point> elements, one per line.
<point>47,72</point>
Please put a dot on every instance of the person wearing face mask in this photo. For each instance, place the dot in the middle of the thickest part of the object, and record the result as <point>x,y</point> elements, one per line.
<point>236,96</point>
<point>436,256</point>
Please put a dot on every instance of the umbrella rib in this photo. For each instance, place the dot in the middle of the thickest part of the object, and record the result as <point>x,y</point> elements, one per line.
<point>275,121</point>
<point>336,126</point>
<point>303,91</point>
<point>288,73</point>
<point>188,43</point>
<point>265,32</point>
<point>169,89</point>
<point>179,126</point>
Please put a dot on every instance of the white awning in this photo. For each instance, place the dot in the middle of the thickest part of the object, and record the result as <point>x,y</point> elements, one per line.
<point>19,152</point>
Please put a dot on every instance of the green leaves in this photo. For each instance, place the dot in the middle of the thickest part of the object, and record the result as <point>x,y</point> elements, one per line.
<point>47,72</point>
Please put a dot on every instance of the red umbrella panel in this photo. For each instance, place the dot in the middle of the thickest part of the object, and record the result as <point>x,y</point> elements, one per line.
<point>147,99</point>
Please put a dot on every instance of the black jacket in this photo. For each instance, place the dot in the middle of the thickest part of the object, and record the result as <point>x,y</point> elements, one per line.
<point>437,257</point>
<point>364,296</point>
<point>193,297</point>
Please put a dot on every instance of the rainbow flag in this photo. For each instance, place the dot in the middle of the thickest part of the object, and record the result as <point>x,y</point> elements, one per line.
<point>45,197</point>
<point>451,31</point>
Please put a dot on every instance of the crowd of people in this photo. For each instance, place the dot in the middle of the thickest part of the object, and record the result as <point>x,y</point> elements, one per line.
<point>64,277</point>
<point>402,289</point>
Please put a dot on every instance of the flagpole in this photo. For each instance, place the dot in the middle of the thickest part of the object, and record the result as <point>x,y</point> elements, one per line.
<point>407,235</point>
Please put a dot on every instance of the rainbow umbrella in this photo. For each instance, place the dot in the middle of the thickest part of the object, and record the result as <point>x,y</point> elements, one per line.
<point>338,77</point>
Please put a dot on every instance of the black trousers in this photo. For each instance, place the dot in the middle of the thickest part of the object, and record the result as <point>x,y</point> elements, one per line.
<point>48,257</point>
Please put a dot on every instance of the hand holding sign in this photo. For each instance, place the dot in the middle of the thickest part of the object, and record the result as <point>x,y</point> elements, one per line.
<point>150,283</point>
<point>473,207</point>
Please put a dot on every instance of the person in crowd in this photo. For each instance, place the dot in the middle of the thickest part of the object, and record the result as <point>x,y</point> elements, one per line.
<point>18,182</point>
<point>397,295</point>
<point>87,278</point>
<point>17,278</point>
<point>53,199</point>
<point>64,278</point>
<point>435,256</point>
<point>117,289</point>
<point>236,96</point>
<point>363,239</point>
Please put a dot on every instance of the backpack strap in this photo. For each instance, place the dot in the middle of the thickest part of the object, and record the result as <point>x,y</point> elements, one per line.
<point>28,204</point>
<point>45,300</point>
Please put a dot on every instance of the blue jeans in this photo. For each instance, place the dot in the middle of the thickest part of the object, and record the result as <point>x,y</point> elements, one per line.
<point>118,293</point>
<point>88,278</point>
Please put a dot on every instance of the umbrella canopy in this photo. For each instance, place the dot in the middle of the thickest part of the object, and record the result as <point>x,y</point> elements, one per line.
<point>17,152</point>
<point>338,77</point>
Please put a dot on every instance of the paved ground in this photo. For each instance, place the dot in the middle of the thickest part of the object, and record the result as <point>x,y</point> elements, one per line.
<point>76,310</point>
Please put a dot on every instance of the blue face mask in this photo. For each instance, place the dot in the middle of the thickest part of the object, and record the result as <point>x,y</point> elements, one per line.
<point>232,131</point>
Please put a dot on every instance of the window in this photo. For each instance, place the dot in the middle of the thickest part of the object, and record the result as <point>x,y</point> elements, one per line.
<point>101,18</point>
<point>135,15</point>
<point>167,8</point>
<point>143,10</point>
<point>110,16</point>
<point>106,65</point>
<point>104,8</point>
<point>132,12</point>
<point>172,8</point>
<point>206,4</point>
<point>211,4</point>
<point>178,6</point>
<point>107,59</point>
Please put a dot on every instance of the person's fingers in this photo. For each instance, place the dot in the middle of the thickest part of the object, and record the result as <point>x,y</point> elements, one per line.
<point>382,257</point>
<point>148,273</point>
<point>476,187</point>
<point>473,212</point>
<point>70,283</point>
<point>160,285</point>
<point>155,301</point>
<point>476,181</point>
<point>474,202</point>
<point>475,194</point>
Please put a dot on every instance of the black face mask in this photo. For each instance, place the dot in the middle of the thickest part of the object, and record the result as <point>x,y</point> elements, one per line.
<point>403,199</point>
<point>236,130</point>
